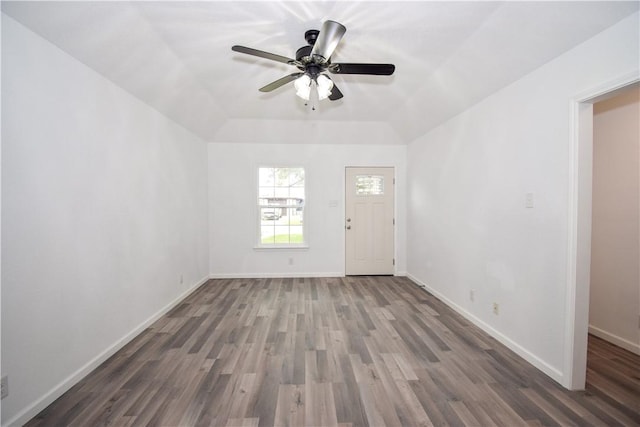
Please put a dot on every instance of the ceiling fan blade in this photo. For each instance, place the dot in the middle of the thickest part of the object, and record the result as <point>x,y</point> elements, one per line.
<point>374,69</point>
<point>280,82</point>
<point>262,54</point>
<point>335,93</point>
<point>327,41</point>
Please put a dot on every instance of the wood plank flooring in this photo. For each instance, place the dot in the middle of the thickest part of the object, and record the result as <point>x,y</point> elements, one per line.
<point>350,351</point>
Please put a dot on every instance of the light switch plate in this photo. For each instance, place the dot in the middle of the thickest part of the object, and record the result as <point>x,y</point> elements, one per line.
<point>528,201</point>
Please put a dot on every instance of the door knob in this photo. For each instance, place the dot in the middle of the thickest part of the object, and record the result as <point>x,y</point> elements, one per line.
<point>348,219</point>
<point>348,227</point>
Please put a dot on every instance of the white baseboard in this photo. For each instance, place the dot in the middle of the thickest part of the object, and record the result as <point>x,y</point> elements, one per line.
<point>552,372</point>
<point>614,339</point>
<point>271,275</point>
<point>36,407</point>
<point>283,275</point>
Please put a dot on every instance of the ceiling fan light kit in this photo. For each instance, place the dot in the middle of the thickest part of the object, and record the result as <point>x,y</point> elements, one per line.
<point>324,85</point>
<point>314,60</point>
<point>304,85</point>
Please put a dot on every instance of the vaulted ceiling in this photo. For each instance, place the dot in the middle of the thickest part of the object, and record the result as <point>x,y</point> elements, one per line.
<point>177,58</point>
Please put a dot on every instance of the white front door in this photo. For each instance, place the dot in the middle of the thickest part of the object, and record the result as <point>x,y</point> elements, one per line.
<point>369,221</point>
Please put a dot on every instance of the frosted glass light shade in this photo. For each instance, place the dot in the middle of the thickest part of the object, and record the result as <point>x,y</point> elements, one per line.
<point>303,86</point>
<point>325,85</point>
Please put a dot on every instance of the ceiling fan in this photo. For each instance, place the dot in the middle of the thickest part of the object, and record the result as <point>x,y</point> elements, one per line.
<point>314,60</point>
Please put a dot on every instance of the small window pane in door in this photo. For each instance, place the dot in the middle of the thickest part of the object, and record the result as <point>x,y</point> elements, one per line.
<point>369,185</point>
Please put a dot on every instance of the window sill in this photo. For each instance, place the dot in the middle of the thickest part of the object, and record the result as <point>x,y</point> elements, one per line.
<point>280,247</point>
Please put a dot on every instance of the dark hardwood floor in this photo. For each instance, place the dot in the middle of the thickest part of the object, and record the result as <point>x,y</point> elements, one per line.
<point>334,351</point>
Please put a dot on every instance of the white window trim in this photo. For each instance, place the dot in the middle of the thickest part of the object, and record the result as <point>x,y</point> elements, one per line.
<point>280,246</point>
<point>258,245</point>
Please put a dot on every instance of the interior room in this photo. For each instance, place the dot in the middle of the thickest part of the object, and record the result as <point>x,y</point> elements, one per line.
<point>614,299</point>
<point>141,178</point>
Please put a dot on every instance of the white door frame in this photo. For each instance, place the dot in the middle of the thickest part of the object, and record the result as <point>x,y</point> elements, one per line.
<point>579,242</point>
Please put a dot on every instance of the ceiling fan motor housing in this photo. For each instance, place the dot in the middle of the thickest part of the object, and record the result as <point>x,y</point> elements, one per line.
<point>304,54</point>
<point>311,36</point>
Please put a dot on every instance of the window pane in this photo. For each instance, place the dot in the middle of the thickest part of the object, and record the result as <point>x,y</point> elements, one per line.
<point>266,192</point>
<point>270,214</point>
<point>266,177</point>
<point>296,177</point>
<point>293,217</point>
<point>295,233</point>
<point>369,185</point>
<point>297,193</point>
<point>267,235</point>
<point>282,192</point>
<point>282,177</point>
<point>281,234</point>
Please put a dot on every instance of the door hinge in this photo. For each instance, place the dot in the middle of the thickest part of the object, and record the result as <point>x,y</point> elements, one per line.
<point>394,221</point>
<point>394,181</point>
<point>394,261</point>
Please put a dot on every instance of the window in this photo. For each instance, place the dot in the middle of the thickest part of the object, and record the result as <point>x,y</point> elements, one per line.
<point>281,199</point>
<point>369,185</point>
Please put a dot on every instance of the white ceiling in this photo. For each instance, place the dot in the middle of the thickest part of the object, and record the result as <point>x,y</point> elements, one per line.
<point>177,58</point>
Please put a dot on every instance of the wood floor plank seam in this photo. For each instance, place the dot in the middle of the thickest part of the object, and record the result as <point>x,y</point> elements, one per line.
<point>342,351</point>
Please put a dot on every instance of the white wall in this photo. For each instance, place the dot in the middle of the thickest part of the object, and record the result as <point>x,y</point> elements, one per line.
<point>614,307</point>
<point>232,210</point>
<point>104,208</point>
<point>468,179</point>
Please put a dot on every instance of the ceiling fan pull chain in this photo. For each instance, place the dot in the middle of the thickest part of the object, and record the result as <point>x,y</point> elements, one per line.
<point>313,96</point>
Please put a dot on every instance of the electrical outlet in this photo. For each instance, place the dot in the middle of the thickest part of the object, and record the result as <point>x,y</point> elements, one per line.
<point>496,308</point>
<point>472,295</point>
<point>5,386</point>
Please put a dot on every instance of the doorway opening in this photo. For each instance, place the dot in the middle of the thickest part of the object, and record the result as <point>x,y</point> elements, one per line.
<point>580,227</point>
<point>614,304</point>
